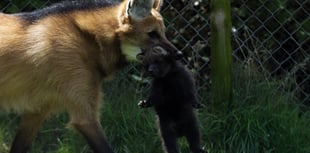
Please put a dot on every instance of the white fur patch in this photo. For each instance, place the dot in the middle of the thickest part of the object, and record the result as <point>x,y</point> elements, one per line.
<point>130,51</point>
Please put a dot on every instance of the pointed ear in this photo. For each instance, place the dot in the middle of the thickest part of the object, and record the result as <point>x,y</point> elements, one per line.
<point>139,9</point>
<point>158,4</point>
<point>140,56</point>
<point>159,51</point>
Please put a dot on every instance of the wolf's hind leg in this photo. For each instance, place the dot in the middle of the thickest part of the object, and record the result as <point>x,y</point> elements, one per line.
<point>27,131</point>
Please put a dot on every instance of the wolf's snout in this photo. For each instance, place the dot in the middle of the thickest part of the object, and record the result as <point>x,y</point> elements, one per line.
<point>179,55</point>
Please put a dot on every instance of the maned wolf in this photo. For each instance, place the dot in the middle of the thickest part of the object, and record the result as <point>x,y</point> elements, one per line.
<point>55,58</point>
<point>173,96</point>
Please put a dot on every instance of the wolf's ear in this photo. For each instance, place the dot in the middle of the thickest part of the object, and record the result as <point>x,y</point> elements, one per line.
<point>139,9</point>
<point>158,4</point>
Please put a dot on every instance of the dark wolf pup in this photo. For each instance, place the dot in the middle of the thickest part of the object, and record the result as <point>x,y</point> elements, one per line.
<point>173,96</point>
<point>55,58</point>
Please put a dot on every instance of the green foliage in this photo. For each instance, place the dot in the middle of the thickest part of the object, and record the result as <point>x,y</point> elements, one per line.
<point>262,119</point>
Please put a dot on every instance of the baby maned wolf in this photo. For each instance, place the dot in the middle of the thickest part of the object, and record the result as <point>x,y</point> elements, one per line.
<point>173,96</point>
<point>55,59</point>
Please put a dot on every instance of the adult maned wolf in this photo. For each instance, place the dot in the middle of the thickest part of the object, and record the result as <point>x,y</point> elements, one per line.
<point>55,58</point>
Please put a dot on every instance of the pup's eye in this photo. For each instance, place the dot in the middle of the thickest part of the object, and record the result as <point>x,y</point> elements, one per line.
<point>153,34</point>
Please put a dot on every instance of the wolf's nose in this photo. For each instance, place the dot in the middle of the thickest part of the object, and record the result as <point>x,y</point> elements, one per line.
<point>178,55</point>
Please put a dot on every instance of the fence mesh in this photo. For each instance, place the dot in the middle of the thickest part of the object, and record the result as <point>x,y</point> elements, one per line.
<point>271,35</point>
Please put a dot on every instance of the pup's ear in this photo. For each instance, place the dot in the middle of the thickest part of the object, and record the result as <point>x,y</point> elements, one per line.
<point>160,51</point>
<point>139,9</point>
<point>157,50</point>
<point>140,56</point>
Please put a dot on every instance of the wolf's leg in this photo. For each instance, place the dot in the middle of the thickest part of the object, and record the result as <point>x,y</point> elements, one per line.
<point>27,131</point>
<point>84,113</point>
<point>93,133</point>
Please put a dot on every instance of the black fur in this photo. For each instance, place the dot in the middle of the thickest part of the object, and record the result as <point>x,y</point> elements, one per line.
<point>173,96</point>
<point>65,7</point>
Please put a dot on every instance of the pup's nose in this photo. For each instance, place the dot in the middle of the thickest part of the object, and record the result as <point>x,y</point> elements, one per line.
<point>151,69</point>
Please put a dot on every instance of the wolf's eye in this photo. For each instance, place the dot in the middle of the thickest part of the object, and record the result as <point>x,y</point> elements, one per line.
<point>153,34</point>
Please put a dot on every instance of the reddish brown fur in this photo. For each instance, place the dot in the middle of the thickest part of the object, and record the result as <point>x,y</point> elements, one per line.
<point>58,63</point>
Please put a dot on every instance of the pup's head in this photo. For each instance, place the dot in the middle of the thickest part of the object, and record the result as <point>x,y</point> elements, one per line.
<point>158,62</point>
<point>141,27</point>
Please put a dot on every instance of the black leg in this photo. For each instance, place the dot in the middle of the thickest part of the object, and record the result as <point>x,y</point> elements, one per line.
<point>93,133</point>
<point>169,137</point>
<point>192,135</point>
<point>28,129</point>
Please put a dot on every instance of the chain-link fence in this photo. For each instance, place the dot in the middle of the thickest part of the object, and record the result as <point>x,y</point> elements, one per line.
<point>274,35</point>
<point>271,35</point>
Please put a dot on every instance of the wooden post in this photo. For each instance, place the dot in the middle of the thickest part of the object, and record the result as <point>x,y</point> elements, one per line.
<point>221,55</point>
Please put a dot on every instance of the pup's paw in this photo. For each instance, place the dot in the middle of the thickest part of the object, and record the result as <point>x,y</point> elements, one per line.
<point>144,104</point>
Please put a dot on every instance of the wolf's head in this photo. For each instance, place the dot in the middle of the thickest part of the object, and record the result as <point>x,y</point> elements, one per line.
<point>141,27</point>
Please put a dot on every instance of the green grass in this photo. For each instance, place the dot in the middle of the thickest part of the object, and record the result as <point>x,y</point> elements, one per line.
<point>262,119</point>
